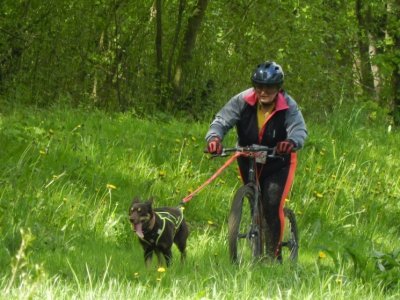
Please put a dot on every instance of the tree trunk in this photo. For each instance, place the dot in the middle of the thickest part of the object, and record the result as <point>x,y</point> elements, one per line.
<point>158,43</point>
<point>367,79</point>
<point>396,92</point>
<point>182,4</point>
<point>188,44</point>
<point>396,71</point>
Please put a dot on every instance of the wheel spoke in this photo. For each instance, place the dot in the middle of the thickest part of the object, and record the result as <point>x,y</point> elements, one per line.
<point>244,235</point>
<point>290,237</point>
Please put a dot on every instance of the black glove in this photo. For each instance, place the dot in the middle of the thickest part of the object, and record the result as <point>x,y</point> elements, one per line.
<point>214,146</point>
<point>285,147</point>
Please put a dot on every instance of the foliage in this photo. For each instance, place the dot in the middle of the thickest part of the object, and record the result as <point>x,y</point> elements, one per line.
<point>104,54</point>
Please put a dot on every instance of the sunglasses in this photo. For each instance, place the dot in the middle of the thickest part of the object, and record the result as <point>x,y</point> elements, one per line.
<point>269,90</point>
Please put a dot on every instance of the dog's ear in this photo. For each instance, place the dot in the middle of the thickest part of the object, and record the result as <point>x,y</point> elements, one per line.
<point>136,200</point>
<point>149,204</point>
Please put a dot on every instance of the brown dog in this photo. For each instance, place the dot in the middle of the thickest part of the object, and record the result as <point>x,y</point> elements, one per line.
<point>158,229</point>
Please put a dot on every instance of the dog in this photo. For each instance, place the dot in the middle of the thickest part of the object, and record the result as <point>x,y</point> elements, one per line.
<point>158,229</point>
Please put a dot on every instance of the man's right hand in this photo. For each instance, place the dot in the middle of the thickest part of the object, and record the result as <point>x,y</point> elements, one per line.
<point>214,146</point>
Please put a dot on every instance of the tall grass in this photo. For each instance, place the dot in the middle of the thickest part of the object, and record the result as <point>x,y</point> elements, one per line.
<point>68,176</point>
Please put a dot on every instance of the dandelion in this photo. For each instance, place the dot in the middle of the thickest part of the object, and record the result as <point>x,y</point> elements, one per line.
<point>210,222</point>
<point>76,127</point>
<point>161,270</point>
<point>321,255</point>
<point>319,195</point>
<point>193,139</point>
<point>42,152</point>
<point>111,186</point>
<point>162,173</point>
<point>136,274</point>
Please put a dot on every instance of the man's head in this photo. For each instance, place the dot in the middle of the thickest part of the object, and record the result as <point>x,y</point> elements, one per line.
<point>267,80</point>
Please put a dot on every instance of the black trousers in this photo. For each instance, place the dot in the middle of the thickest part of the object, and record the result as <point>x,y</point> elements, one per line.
<point>276,178</point>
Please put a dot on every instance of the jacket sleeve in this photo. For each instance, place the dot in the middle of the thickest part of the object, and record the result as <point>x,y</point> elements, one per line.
<point>295,125</point>
<point>226,118</point>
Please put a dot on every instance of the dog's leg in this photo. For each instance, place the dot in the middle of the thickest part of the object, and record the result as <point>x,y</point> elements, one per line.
<point>148,255</point>
<point>160,259</point>
<point>180,240</point>
<point>167,255</point>
<point>181,244</point>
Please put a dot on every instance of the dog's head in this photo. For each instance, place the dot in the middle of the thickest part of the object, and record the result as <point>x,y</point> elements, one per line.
<point>140,215</point>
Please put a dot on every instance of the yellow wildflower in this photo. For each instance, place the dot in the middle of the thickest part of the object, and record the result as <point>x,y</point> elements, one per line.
<point>111,186</point>
<point>319,195</point>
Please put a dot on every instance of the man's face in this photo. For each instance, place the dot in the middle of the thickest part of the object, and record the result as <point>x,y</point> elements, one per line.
<point>266,94</point>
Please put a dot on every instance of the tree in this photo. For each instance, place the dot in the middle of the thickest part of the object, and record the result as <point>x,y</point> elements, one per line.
<point>121,54</point>
<point>393,31</point>
<point>188,45</point>
<point>364,18</point>
<point>158,43</point>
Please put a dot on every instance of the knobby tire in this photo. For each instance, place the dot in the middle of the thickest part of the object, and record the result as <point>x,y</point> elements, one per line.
<point>244,226</point>
<point>291,241</point>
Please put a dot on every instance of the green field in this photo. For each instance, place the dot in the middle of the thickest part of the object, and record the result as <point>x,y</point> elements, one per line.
<point>68,177</point>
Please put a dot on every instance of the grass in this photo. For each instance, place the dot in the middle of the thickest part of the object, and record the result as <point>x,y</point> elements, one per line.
<point>68,177</point>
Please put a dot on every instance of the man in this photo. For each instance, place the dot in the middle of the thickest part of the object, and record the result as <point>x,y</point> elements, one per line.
<point>266,115</point>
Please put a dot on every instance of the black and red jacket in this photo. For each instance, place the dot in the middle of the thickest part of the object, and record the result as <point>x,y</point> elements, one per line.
<point>285,121</point>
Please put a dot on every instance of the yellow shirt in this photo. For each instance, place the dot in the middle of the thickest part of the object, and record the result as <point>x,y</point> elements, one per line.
<point>263,116</point>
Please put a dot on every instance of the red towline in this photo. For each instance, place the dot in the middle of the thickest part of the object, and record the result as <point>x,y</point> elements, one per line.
<point>214,176</point>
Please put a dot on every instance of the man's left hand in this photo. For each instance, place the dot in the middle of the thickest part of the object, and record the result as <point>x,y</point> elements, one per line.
<point>285,147</point>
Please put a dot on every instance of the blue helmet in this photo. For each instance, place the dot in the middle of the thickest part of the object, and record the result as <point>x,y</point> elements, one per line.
<point>268,73</point>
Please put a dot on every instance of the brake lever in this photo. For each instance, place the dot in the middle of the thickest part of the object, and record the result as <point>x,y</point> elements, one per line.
<point>223,154</point>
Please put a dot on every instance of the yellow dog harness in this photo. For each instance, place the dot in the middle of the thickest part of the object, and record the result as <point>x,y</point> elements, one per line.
<point>166,217</point>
